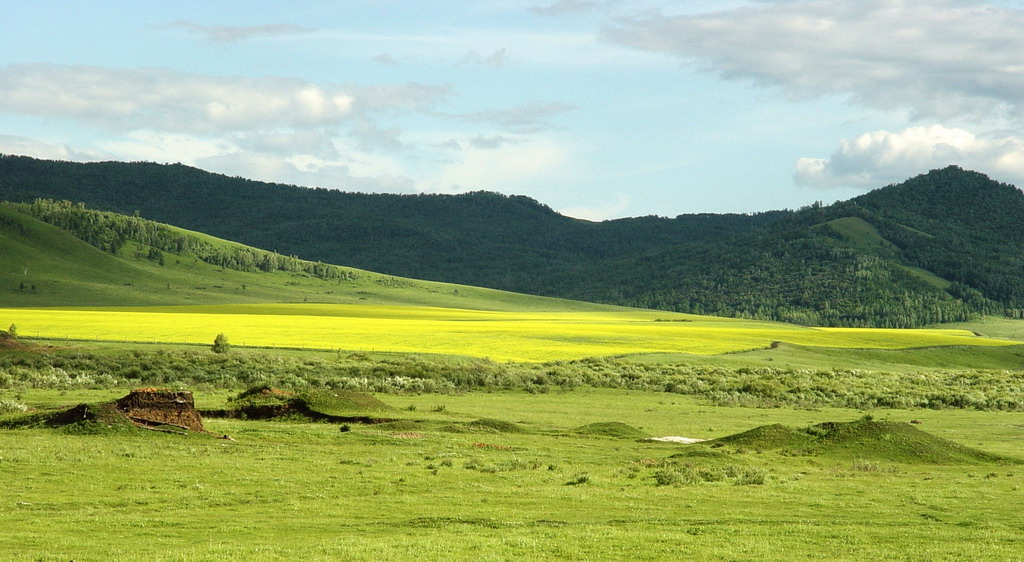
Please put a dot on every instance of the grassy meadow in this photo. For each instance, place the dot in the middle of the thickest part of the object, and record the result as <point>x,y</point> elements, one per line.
<point>534,487</point>
<point>513,429</point>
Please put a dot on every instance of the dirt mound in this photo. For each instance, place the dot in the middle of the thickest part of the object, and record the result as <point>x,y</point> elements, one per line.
<point>153,407</point>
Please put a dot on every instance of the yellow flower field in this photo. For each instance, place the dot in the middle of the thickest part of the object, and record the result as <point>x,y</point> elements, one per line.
<point>503,336</point>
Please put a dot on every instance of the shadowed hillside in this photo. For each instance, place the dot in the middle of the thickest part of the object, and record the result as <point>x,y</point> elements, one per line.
<point>942,247</point>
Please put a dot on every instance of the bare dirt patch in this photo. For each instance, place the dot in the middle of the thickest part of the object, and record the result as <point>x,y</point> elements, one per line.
<point>154,407</point>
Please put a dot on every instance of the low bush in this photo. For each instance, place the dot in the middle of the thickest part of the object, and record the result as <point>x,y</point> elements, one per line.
<point>8,406</point>
<point>762,387</point>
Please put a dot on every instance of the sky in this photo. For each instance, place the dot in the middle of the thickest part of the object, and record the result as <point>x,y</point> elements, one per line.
<point>600,109</point>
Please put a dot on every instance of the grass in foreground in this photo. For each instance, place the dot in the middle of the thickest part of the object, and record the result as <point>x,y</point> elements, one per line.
<point>287,490</point>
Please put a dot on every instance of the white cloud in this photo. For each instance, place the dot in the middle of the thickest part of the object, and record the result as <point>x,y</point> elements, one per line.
<point>311,171</point>
<point>599,210</point>
<point>882,157</point>
<point>505,168</point>
<point>24,146</point>
<point>159,99</point>
<point>219,34</point>
<point>154,146</point>
<point>940,59</point>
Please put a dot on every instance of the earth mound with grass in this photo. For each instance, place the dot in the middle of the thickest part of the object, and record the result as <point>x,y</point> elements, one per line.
<point>767,438</point>
<point>145,408</point>
<point>861,439</point>
<point>495,425</point>
<point>892,441</point>
<point>9,342</point>
<point>154,407</point>
<point>485,425</point>
<point>319,405</point>
<point>615,430</point>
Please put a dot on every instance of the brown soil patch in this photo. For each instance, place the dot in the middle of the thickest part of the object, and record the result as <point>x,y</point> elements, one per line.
<point>151,407</point>
<point>7,341</point>
<point>276,392</point>
<point>409,435</point>
<point>491,446</point>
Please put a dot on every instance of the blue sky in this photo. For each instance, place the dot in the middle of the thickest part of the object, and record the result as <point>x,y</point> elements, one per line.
<point>600,109</point>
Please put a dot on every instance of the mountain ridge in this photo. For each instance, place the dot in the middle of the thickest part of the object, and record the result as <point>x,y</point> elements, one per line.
<point>939,247</point>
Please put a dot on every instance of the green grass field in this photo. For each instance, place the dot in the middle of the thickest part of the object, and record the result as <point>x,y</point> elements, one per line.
<point>287,490</point>
<point>498,335</point>
<point>466,470</point>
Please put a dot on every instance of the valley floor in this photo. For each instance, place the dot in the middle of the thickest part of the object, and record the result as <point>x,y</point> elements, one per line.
<point>290,490</point>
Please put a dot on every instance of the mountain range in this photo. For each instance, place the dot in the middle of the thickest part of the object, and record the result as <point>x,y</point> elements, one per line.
<point>943,246</point>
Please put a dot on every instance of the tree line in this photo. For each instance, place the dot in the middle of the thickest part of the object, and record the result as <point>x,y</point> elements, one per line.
<point>110,231</point>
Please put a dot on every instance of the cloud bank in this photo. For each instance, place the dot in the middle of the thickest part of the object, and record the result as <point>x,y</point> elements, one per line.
<point>939,59</point>
<point>881,157</point>
<point>951,66</point>
<point>128,99</point>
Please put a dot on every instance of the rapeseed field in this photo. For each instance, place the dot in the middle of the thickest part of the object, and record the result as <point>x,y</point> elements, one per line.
<point>502,336</point>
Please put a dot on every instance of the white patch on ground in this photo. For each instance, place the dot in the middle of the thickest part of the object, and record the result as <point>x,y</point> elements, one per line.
<point>674,439</point>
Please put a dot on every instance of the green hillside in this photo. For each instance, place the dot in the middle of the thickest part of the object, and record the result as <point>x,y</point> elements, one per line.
<point>481,238</point>
<point>43,265</point>
<point>942,247</point>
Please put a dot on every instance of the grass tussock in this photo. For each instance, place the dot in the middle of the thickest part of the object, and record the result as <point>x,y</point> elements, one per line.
<point>688,475</point>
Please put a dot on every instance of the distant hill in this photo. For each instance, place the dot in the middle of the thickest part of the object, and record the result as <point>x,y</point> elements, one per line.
<point>940,247</point>
<point>132,261</point>
<point>480,238</point>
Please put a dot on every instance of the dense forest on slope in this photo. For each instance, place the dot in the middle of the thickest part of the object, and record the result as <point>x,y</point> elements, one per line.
<point>940,247</point>
<point>109,232</point>
<point>479,238</point>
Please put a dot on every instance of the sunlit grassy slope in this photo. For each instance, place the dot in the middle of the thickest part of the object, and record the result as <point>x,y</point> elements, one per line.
<point>994,327</point>
<point>44,266</point>
<point>499,335</point>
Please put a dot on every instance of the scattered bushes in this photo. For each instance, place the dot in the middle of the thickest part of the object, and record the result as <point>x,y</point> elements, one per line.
<point>8,406</point>
<point>689,475</point>
<point>762,387</point>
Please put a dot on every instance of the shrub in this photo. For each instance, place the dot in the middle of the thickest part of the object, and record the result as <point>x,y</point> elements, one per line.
<point>11,407</point>
<point>579,479</point>
<point>668,477</point>
<point>220,344</point>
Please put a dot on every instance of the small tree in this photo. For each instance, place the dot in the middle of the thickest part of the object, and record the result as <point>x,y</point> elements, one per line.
<point>220,344</point>
<point>13,331</point>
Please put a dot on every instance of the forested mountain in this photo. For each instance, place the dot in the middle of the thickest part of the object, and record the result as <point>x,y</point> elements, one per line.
<point>481,238</point>
<point>939,247</point>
